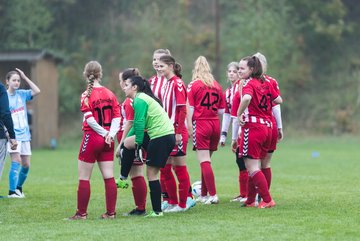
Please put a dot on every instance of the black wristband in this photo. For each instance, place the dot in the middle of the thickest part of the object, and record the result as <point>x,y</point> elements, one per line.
<point>224,133</point>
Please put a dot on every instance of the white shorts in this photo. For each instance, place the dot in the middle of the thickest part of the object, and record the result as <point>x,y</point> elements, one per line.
<point>23,147</point>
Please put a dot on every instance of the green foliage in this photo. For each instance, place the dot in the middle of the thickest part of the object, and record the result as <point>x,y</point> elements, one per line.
<point>311,46</point>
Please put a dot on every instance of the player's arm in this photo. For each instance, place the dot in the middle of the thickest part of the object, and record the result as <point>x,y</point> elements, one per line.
<point>245,101</point>
<point>34,88</point>
<point>140,110</point>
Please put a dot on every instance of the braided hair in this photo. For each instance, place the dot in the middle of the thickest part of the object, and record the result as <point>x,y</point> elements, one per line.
<point>92,71</point>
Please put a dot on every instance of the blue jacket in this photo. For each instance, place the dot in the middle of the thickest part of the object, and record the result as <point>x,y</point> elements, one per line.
<point>5,115</point>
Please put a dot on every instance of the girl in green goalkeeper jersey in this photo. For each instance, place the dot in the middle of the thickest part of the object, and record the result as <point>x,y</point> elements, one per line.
<point>150,116</point>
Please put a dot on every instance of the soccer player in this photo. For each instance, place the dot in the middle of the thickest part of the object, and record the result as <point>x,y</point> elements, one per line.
<point>136,168</point>
<point>254,115</point>
<point>174,103</point>
<point>21,156</point>
<point>157,84</point>
<point>6,127</point>
<point>206,102</point>
<point>277,131</point>
<point>150,116</point>
<point>100,125</point>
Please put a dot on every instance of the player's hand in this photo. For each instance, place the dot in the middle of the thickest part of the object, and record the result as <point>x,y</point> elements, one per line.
<point>22,75</point>
<point>138,152</point>
<point>222,140</point>
<point>178,139</point>
<point>13,144</point>
<point>234,146</point>
<point>280,134</point>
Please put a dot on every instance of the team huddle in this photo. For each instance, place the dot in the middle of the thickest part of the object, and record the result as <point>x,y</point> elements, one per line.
<point>154,123</point>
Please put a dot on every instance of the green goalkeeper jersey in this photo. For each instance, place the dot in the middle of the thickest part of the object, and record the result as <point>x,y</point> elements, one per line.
<point>149,116</point>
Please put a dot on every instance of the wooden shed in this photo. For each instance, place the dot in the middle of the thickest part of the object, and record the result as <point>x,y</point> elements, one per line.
<point>40,67</point>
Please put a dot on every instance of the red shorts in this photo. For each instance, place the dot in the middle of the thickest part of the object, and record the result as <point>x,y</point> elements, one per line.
<point>93,148</point>
<point>180,149</point>
<point>254,140</point>
<point>274,138</point>
<point>206,134</point>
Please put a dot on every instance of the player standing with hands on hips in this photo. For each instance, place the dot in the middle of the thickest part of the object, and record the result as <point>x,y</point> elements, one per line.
<point>101,123</point>
<point>255,113</point>
<point>21,155</point>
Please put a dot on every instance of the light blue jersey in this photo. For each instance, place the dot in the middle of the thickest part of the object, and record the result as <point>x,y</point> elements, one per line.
<point>17,104</point>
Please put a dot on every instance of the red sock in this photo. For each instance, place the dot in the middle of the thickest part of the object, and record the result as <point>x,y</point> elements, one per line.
<point>110,195</point>
<point>139,190</point>
<point>251,191</point>
<point>267,174</point>
<point>204,190</point>
<point>184,184</point>
<point>261,184</point>
<point>243,183</point>
<point>83,196</point>
<point>208,174</point>
<point>170,184</point>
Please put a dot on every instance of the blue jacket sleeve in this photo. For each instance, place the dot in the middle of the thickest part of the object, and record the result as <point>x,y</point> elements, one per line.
<point>5,115</point>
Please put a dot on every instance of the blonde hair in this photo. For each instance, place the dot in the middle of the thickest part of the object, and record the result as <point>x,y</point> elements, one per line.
<point>162,51</point>
<point>92,71</point>
<point>263,61</point>
<point>202,71</point>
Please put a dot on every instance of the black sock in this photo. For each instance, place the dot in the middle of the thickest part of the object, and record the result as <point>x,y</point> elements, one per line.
<point>126,161</point>
<point>155,195</point>
<point>19,188</point>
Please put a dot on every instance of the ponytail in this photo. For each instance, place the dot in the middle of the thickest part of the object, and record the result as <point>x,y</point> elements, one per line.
<point>143,86</point>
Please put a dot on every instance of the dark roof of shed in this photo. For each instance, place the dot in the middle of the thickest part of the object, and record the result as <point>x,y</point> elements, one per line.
<point>27,55</point>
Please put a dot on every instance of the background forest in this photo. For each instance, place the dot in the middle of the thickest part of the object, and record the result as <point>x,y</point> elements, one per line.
<point>312,47</point>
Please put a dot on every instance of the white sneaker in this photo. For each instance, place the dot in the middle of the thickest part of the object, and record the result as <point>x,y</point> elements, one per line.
<point>239,199</point>
<point>171,206</point>
<point>176,209</point>
<point>202,199</point>
<point>17,194</point>
<point>212,200</point>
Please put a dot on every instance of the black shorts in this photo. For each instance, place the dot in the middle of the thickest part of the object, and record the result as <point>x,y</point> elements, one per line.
<point>159,149</point>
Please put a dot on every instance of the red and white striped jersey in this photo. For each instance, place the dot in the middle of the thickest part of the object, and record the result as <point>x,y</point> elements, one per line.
<point>229,96</point>
<point>127,112</point>
<point>174,95</point>
<point>205,100</point>
<point>157,86</point>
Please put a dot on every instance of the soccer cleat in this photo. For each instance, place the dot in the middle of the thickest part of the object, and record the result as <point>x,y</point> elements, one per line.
<point>176,209</point>
<point>78,216</point>
<point>135,212</point>
<point>202,199</point>
<point>248,205</point>
<point>169,207</point>
<point>154,214</point>
<point>190,203</point>
<point>212,200</point>
<point>108,216</point>
<point>121,183</point>
<point>164,205</point>
<point>267,205</point>
<point>239,199</point>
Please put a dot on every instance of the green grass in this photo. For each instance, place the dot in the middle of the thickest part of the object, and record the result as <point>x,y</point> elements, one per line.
<point>317,199</point>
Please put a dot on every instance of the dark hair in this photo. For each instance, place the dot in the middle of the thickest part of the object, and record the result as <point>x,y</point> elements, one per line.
<point>143,86</point>
<point>254,63</point>
<point>11,73</point>
<point>168,59</point>
<point>129,72</point>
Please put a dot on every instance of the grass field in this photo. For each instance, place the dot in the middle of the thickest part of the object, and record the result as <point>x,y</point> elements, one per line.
<point>316,186</point>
